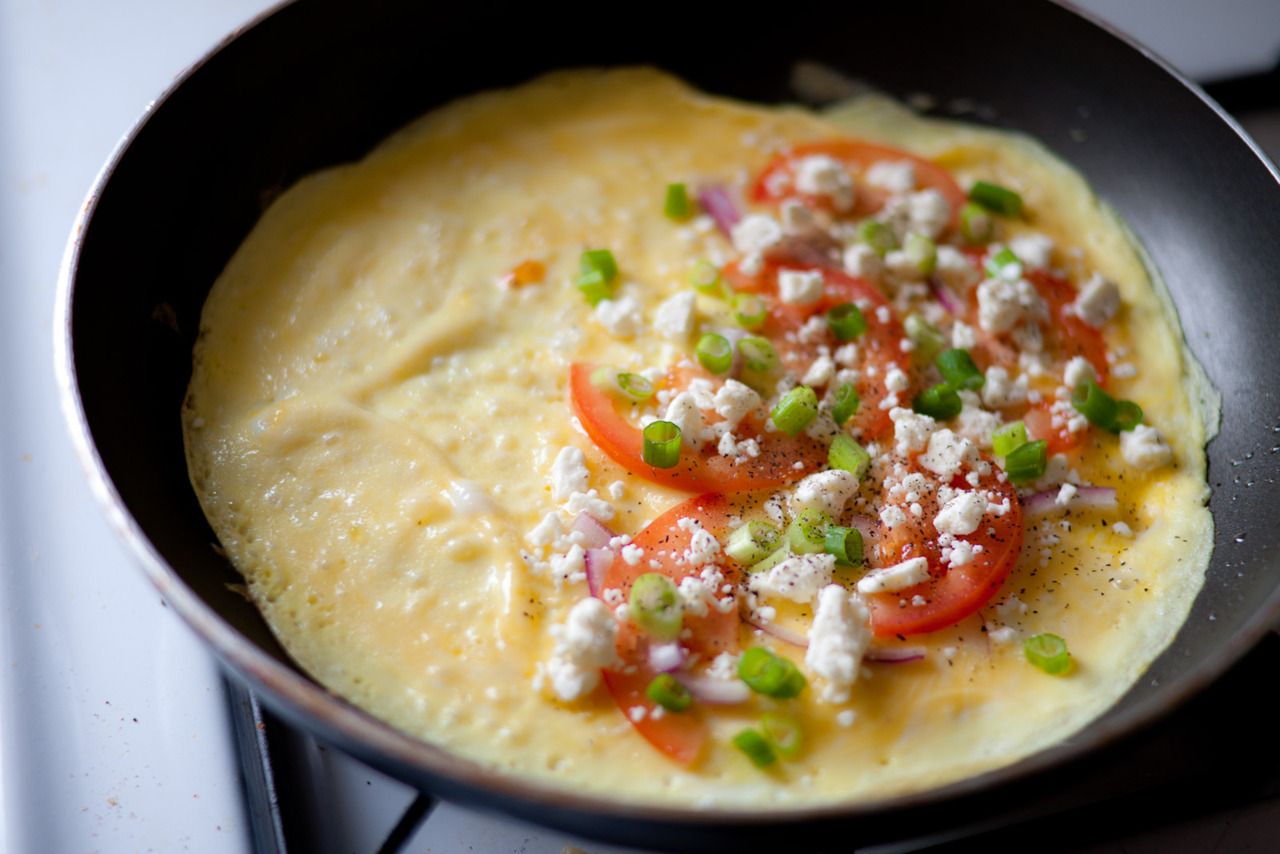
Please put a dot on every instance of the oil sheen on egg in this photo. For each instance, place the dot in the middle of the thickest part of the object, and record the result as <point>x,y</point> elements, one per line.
<point>373,415</point>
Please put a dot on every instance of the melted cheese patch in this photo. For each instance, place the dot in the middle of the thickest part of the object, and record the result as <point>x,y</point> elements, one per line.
<point>373,417</point>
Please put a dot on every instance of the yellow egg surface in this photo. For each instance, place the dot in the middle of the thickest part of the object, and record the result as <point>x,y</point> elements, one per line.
<point>380,394</point>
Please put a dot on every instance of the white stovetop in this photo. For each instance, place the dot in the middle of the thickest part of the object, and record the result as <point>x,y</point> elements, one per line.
<point>113,732</point>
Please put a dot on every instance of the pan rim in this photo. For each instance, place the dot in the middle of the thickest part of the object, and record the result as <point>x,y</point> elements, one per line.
<point>468,781</point>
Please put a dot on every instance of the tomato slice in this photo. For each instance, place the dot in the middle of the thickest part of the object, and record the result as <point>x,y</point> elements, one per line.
<point>1039,421</point>
<point>951,593</point>
<point>680,736</point>
<point>1070,336</point>
<point>879,347</point>
<point>706,471</point>
<point>774,184</point>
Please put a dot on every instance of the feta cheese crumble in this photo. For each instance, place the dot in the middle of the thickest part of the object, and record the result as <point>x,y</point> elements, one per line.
<point>1098,302</point>
<point>1143,448</point>
<point>798,578</point>
<point>584,645</point>
<point>568,474</point>
<point>838,639</point>
<point>799,287</point>
<point>675,317</point>
<point>827,491</point>
<point>891,579</point>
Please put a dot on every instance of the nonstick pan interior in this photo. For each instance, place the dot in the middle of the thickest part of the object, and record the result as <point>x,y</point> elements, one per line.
<point>320,82</point>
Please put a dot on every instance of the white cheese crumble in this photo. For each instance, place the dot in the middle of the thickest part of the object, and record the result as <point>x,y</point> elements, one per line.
<point>911,430</point>
<point>1065,493</point>
<point>961,515</point>
<point>896,380</point>
<point>975,423</point>
<point>797,218</point>
<point>1122,529</point>
<point>733,401</point>
<point>1033,249</point>
<point>1003,304</point>
<point>1143,448</point>
<point>820,372</point>
<point>799,287</point>
<point>1098,302</point>
<point>926,212</point>
<point>963,336</point>
<point>999,390</point>
<point>891,516</point>
<point>589,502</point>
<point>545,532</point>
<point>584,645</point>
<point>798,578</point>
<point>955,270</point>
<point>948,453</point>
<point>632,554</point>
<point>896,176</point>
<point>862,261</point>
<point>823,175</point>
<point>568,473</point>
<point>675,317</point>
<point>891,579</point>
<point>838,640</point>
<point>827,491</point>
<point>756,233</point>
<point>683,411</point>
<point>622,316</point>
<point>1078,370</point>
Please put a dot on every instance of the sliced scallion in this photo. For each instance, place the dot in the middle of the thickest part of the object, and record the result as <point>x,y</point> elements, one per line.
<point>1004,265</point>
<point>844,404</point>
<point>715,353</point>
<point>1103,410</point>
<point>752,542</point>
<point>769,674</point>
<point>846,321</point>
<point>661,444</point>
<point>1008,438</point>
<point>594,287</point>
<point>779,555</point>
<point>677,205</point>
<point>848,455</point>
<point>756,747</point>
<point>877,235</point>
<point>921,252</point>
<point>599,261</point>
<point>704,277</point>
<point>655,606</point>
<point>845,544</point>
<point>1028,462</point>
<point>958,369</point>
<point>635,386</point>
<point>976,225</point>
<point>807,533</point>
<point>927,338</point>
<point>796,410</point>
<point>1048,652</point>
<point>758,355</point>
<point>940,402</point>
<point>749,311</point>
<point>666,691</point>
<point>995,198</point>
<point>783,733</point>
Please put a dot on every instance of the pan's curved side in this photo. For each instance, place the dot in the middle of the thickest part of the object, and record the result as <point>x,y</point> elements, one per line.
<point>313,84</point>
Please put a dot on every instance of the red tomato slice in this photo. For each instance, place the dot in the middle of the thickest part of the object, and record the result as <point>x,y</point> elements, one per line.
<point>1069,335</point>
<point>770,187</point>
<point>679,735</point>
<point>950,594</point>
<point>1039,421</point>
<point>696,472</point>
<point>879,347</point>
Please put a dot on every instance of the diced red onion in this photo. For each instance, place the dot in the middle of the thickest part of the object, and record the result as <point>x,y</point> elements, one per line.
<point>775,631</point>
<point>895,654</point>
<point>716,692</point>
<point>666,657</point>
<point>1086,497</point>
<point>946,299</point>
<point>719,205</point>
<point>597,563</point>
<point>595,534</point>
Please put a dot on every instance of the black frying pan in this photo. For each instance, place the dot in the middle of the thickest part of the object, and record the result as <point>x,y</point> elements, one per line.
<point>319,82</point>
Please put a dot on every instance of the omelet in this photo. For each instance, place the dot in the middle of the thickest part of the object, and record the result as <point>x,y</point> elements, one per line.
<point>445,399</point>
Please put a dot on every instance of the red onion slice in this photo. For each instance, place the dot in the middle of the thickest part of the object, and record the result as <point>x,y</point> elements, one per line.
<point>597,563</point>
<point>667,657</point>
<point>719,205</point>
<point>946,299</point>
<point>895,654</point>
<point>595,534</point>
<point>774,631</point>
<point>1086,497</point>
<point>716,692</point>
